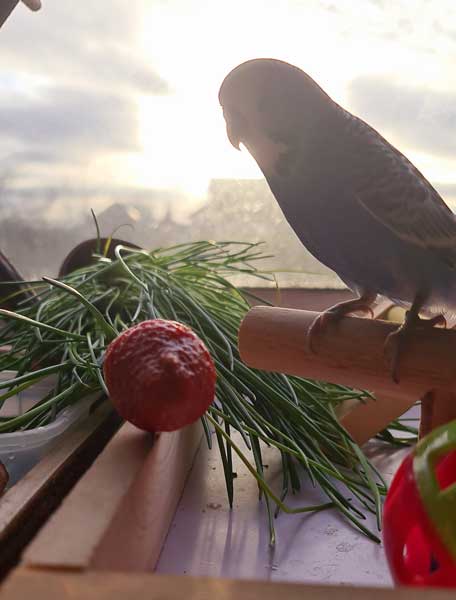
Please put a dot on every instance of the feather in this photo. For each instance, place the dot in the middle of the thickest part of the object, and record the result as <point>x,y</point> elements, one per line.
<point>397,195</point>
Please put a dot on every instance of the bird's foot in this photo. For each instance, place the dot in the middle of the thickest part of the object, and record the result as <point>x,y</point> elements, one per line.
<point>333,314</point>
<point>396,341</point>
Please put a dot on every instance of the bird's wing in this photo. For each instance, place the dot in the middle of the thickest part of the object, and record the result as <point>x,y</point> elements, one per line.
<point>395,193</point>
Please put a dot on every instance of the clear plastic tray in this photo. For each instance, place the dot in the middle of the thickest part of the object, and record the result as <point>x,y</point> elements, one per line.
<point>21,450</point>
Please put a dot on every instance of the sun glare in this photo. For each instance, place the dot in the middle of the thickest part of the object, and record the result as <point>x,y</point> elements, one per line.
<point>182,135</point>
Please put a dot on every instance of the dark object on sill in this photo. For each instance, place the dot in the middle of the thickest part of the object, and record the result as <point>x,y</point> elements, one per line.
<point>9,273</point>
<point>4,477</point>
<point>7,7</point>
<point>82,254</point>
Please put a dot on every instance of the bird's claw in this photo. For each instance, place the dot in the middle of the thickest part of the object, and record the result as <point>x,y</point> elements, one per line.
<point>334,314</point>
<point>317,325</point>
<point>397,338</point>
<point>395,341</point>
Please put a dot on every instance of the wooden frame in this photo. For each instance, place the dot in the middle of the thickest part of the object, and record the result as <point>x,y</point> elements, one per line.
<point>127,499</point>
<point>26,506</point>
<point>27,583</point>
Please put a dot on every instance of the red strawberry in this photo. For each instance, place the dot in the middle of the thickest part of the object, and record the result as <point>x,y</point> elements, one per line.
<point>160,375</point>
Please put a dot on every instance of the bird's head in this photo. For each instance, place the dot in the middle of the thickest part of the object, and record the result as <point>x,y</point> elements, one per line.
<point>268,106</point>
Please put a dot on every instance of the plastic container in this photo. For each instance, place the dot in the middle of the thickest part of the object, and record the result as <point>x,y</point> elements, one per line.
<point>21,450</point>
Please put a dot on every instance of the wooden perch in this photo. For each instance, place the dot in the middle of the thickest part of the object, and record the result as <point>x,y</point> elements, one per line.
<point>351,352</point>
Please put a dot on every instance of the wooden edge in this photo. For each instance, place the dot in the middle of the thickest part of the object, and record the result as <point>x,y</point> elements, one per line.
<point>363,420</point>
<point>27,583</point>
<point>141,523</point>
<point>27,505</point>
<point>118,514</point>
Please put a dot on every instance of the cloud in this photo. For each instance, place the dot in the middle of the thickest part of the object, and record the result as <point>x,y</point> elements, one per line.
<point>68,42</point>
<point>332,8</point>
<point>67,123</point>
<point>443,30</point>
<point>70,77</point>
<point>30,157</point>
<point>420,118</point>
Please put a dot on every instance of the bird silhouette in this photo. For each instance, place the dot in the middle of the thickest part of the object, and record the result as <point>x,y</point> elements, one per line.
<point>355,202</point>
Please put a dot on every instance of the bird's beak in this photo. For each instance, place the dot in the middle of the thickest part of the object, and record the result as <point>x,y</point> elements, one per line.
<point>233,136</point>
<point>235,127</point>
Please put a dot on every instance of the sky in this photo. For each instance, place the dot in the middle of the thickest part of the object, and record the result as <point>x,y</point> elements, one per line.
<point>114,94</point>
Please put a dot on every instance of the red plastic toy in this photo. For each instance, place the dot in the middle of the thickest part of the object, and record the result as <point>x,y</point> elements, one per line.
<point>419,518</point>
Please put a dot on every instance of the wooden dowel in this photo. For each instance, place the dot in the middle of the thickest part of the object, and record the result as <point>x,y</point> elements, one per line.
<point>352,352</point>
<point>349,352</point>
